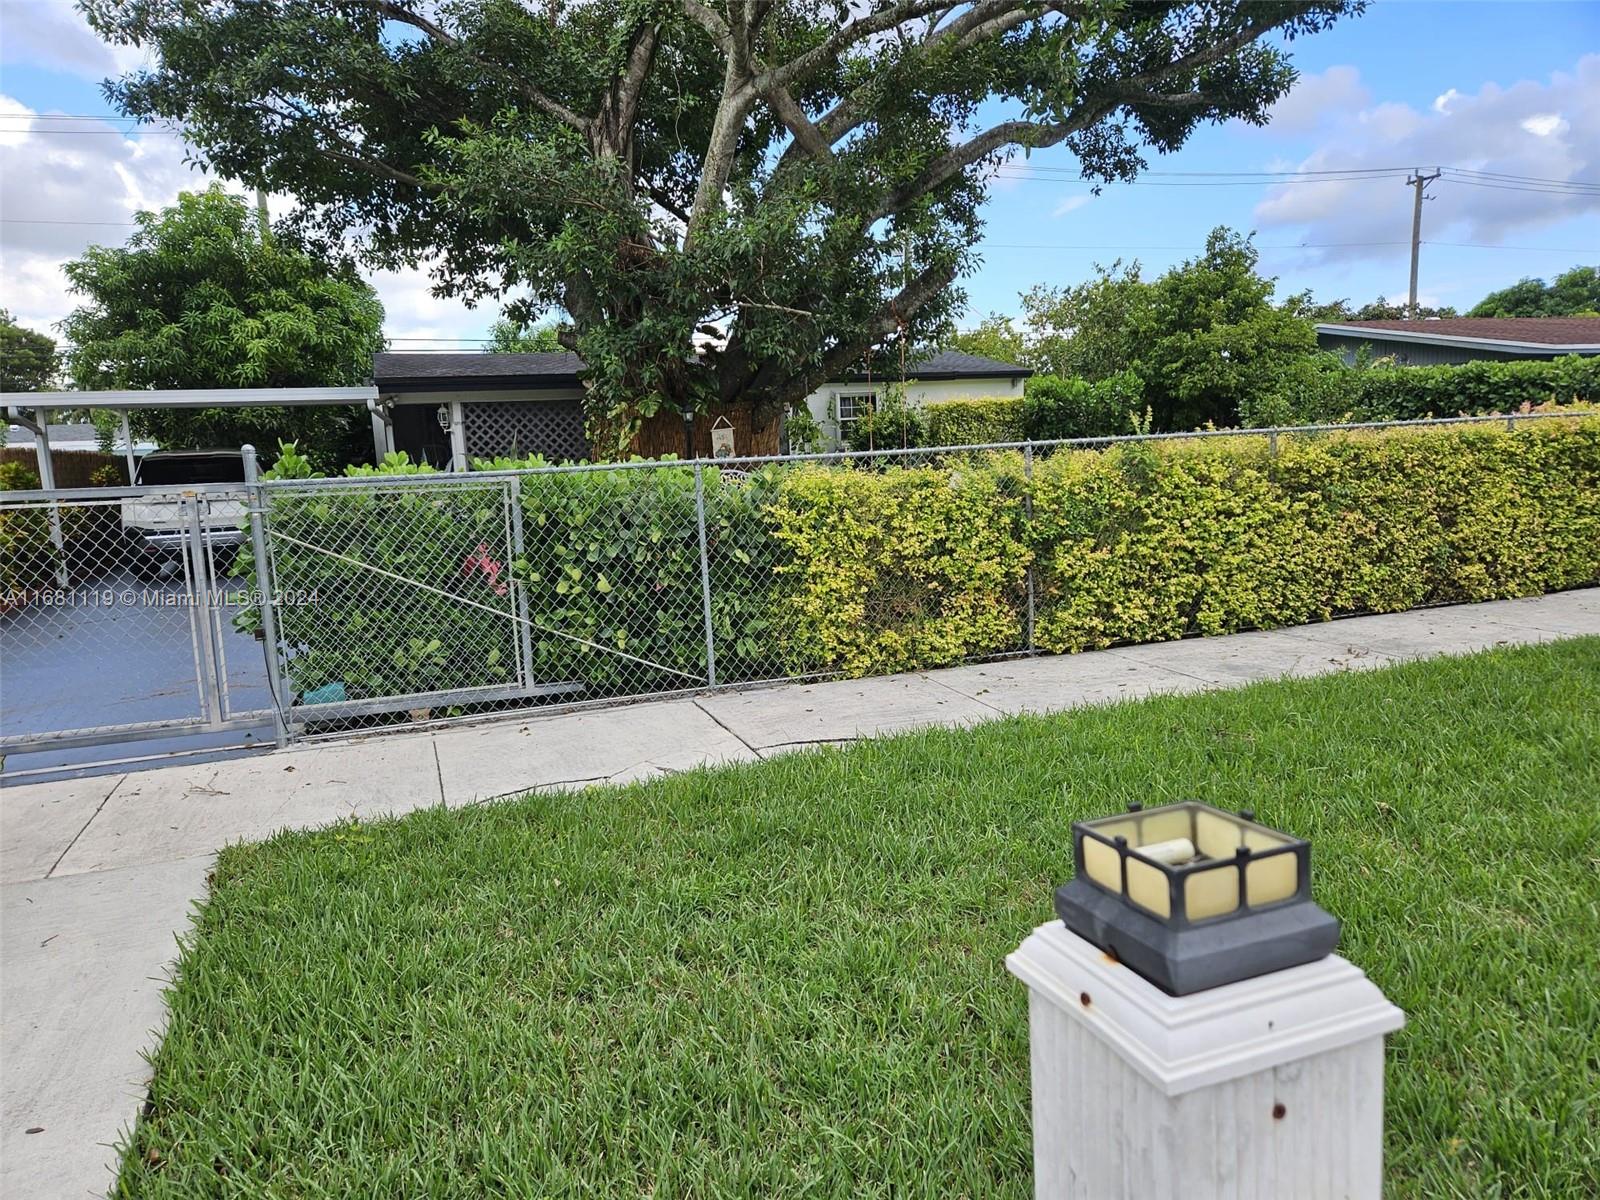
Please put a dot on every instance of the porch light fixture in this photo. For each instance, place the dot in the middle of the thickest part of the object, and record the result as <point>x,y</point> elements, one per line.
<point>442,415</point>
<point>1192,897</point>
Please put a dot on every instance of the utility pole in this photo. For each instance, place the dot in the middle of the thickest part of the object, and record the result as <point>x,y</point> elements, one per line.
<point>264,221</point>
<point>1417,181</point>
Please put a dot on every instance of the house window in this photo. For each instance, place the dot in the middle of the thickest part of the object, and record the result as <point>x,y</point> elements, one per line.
<point>852,406</point>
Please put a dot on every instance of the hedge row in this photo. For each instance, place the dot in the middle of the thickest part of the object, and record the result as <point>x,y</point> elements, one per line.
<point>1390,393</point>
<point>1062,408</point>
<point>976,422</point>
<point>862,571</point>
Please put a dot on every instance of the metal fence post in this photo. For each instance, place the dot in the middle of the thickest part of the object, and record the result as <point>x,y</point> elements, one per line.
<point>256,506</point>
<point>199,572</point>
<point>1027,514</point>
<point>519,585</point>
<point>705,573</point>
<point>1511,423</point>
<point>1272,442</point>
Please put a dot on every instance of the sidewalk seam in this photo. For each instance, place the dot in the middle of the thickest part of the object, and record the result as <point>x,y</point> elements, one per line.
<point>695,700</point>
<point>121,779</point>
<point>928,675</point>
<point>438,769</point>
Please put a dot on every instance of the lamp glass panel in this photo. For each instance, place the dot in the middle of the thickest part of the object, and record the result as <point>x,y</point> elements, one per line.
<point>1163,826</point>
<point>1102,864</point>
<point>1211,893</point>
<point>1215,835</point>
<point>1271,879</point>
<point>1262,839</point>
<point>1147,887</point>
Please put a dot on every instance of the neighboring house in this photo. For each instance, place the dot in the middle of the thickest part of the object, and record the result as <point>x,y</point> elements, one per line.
<point>1462,339</point>
<point>447,409</point>
<point>946,375</point>
<point>444,407</point>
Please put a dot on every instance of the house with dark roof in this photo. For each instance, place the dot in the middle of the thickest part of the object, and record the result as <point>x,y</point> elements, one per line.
<point>447,409</point>
<point>945,375</point>
<point>1462,339</point>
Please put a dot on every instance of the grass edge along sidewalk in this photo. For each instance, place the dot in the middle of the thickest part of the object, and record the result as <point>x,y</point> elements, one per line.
<point>786,978</point>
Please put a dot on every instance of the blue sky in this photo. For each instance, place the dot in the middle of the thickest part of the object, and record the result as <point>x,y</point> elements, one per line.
<point>1489,86</point>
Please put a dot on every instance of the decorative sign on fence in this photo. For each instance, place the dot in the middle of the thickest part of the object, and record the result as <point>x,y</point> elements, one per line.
<point>722,438</point>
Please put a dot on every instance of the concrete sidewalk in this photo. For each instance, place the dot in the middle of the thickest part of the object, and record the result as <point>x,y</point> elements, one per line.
<point>99,874</point>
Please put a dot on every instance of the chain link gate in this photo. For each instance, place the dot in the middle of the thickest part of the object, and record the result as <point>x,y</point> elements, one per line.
<point>408,599</point>
<point>117,610</point>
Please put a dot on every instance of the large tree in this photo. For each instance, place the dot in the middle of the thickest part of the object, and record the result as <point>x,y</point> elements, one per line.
<point>803,175</point>
<point>1572,293</point>
<point>28,359</point>
<point>202,296</point>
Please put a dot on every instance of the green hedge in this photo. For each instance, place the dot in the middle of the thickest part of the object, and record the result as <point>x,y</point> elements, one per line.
<point>863,571</point>
<point>1052,407</point>
<point>979,421</point>
<point>1152,541</point>
<point>1393,393</point>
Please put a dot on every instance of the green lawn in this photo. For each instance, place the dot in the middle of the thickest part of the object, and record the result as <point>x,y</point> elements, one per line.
<point>786,979</point>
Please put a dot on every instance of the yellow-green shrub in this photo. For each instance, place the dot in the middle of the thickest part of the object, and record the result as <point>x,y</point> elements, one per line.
<point>1153,541</point>
<point>977,422</point>
<point>893,571</point>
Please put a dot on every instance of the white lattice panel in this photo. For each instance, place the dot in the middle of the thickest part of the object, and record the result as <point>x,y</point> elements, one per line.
<point>553,428</point>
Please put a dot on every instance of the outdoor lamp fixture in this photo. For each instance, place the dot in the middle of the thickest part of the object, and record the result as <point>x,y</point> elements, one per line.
<point>1192,897</point>
<point>442,415</point>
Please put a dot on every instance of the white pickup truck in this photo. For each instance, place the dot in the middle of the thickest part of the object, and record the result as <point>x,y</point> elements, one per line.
<point>157,524</point>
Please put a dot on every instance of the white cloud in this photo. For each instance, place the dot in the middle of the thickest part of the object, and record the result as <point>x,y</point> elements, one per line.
<point>66,185</point>
<point>1069,204</point>
<point>1319,100</point>
<point>52,34</point>
<point>1545,130</point>
<point>1544,124</point>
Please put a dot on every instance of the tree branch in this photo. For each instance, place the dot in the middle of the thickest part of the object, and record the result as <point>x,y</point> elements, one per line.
<point>550,107</point>
<point>849,34</point>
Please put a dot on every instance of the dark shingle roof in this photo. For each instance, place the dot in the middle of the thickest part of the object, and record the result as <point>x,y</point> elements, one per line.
<point>956,364</point>
<point>1528,331</point>
<point>449,372</point>
<point>443,372</point>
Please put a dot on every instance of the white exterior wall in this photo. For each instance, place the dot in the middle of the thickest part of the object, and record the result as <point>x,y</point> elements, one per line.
<point>823,408</point>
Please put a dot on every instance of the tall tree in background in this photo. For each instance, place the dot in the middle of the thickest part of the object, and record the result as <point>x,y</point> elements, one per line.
<point>805,175</point>
<point>1574,293</point>
<point>507,336</point>
<point>28,360</point>
<point>202,297</point>
<point>1205,338</point>
<point>995,337</point>
<point>1382,309</point>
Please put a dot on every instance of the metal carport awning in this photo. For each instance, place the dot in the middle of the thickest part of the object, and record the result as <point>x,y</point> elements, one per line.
<point>31,410</point>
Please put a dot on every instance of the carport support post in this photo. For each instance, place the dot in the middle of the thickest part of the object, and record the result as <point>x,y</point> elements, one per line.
<point>127,444</point>
<point>256,505</point>
<point>458,438</point>
<point>43,455</point>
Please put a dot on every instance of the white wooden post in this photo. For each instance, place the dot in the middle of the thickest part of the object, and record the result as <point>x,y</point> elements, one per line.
<point>458,438</point>
<point>1272,1086</point>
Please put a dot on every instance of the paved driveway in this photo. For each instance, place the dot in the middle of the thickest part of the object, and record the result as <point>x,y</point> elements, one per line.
<point>121,652</point>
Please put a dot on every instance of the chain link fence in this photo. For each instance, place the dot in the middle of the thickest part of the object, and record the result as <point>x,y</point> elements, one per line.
<point>302,608</point>
<point>117,612</point>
